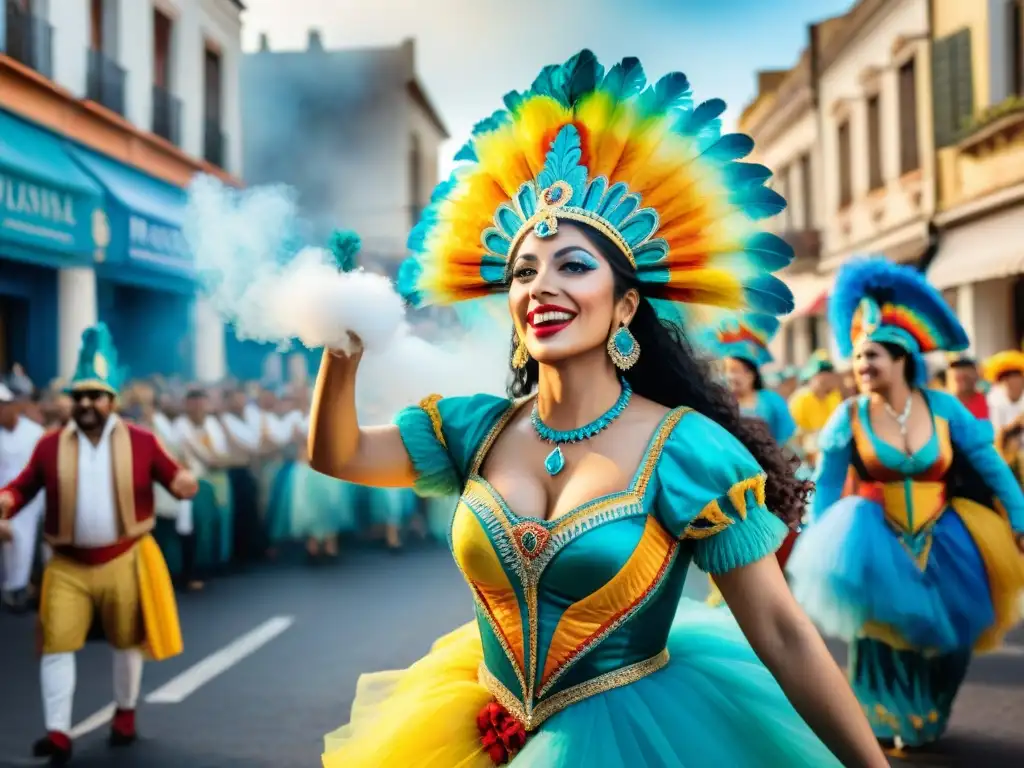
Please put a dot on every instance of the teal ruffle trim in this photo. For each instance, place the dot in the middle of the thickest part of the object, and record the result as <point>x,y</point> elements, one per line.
<point>435,470</point>
<point>746,541</point>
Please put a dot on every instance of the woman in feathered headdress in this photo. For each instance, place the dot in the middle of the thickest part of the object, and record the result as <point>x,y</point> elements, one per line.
<point>917,571</point>
<point>607,213</point>
<point>741,342</point>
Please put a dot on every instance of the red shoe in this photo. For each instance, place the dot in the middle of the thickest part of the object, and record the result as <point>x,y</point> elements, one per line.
<point>122,730</point>
<point>54,745</point>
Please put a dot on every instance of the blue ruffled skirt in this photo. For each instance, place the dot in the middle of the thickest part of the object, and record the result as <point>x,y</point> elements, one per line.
<point>914,609</point>
<point>714,705</point>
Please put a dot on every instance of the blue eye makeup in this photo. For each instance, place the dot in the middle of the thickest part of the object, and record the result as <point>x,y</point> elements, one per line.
<point>583,259</point>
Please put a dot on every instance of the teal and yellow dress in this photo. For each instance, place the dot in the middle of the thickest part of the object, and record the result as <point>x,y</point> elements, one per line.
<point>582,652</point>
<point>918,570</point>
<point>771,408</point>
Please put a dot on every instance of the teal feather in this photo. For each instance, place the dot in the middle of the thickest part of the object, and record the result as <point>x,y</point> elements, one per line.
<point>508,220</point>
<point>344,245</point>
<point>408,278</point>
<point>496,241</point>
<point>580,76</point>
<point>739,174</point>
<point>563,163</point>
<point>758,202</point>
<point>732,146</point>
<point>649,256</point>
<point>623,210</point>
<point>466,152</point>
<point>625,80</point>
<point>703,123</point>
<point>526,198</point>
<point>640,226</point>
<point>595,191</point>
<point>770,252</point>
<point>768,295</point>
<point>546,83</point>
<point>612,198</point>
<point>670,92</point>
<point>512,100</point>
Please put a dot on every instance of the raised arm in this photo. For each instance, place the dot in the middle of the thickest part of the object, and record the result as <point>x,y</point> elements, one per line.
<point>338,446</point>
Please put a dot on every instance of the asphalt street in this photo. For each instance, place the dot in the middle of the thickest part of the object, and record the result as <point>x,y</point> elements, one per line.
<point>272,659</point>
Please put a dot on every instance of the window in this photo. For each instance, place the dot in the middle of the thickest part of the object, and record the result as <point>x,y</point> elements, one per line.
<point>415,179</point>
<point>1015,30</point>
<point>910,156</point>
<point>952,86</point>
<point>874,115</point>
<point>845,182</point>
<point>212,70</point>
<point>96,25</point>
<point>162,27</point>
<point>807,183</point>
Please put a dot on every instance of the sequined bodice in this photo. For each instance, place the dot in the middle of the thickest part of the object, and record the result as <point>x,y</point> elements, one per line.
<point>574,606</point>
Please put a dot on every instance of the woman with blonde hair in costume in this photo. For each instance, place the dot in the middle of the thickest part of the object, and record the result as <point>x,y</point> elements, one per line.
<point>917,571</point>
<point>598,205</point>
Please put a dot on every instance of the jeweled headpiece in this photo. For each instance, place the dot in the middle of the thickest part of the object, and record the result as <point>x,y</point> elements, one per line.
<point>641,164</point>
<point>877,300</point>
<point>745,337</point>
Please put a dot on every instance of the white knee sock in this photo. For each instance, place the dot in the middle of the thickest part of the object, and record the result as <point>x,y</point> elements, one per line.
<point>127,677</point>
<point>57,677</point>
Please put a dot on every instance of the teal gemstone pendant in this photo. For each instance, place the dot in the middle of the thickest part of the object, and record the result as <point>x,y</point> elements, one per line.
<point>555,462</point>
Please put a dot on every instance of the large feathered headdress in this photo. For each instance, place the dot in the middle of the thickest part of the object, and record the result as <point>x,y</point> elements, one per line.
<point>642,164</point>
<point>877,300</point>
<point>745,337</point>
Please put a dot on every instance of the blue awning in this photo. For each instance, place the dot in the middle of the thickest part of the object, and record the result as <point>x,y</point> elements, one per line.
<point>146,217</point>
<point>51,211</point>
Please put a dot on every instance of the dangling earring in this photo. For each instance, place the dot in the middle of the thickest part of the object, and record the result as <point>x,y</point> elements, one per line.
<point>520,356</point>
<point>623,349</point>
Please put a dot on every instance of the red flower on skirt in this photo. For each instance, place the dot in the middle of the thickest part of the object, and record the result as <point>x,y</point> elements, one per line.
<point>501,735</point>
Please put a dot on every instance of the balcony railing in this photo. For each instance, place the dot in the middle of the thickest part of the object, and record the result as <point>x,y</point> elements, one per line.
<point>29,40</point>
<point>105,82</point>
<point>166,115</point>
<point>214,143</point>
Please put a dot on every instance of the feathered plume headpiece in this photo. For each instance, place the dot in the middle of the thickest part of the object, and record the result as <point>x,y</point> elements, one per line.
<point>642,164</point>
<point>745,337</point>
<point>877,300</point>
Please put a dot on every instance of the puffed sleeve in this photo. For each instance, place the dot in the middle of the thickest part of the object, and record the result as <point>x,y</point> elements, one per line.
<point>836,453</point>
<point>711,491</point>
<point>441,436</point>
<point>975,440</point>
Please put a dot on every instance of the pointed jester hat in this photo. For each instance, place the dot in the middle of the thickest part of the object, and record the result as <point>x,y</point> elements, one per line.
<point>642,164</point>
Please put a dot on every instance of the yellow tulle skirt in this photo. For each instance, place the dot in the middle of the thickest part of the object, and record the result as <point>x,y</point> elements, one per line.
<point>714,705</point>
<point>394,724</point>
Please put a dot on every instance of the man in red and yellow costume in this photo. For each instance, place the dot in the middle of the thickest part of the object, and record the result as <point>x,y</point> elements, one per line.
<point>97,474</point>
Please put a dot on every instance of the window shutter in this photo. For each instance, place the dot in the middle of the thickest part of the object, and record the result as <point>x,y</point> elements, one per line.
<point>943,96</point>
<point>963,81</point>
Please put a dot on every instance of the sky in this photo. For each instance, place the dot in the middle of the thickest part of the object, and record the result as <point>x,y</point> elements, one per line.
<point>471,52</point>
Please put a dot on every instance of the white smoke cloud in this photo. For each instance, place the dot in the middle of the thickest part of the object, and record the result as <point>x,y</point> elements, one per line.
<point>241,243</point>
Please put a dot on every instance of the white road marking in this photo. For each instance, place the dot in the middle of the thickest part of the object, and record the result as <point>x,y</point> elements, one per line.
<point>92,722</point>
<point>198,675</point>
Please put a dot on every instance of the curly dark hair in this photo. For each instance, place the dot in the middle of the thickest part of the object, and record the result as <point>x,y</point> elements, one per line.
<point>896,352</point>
<point>669,372</point>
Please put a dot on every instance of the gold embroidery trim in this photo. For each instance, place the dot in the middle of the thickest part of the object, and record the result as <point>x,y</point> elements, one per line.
<point>533,715</point>
<point>429,406</point>
<point>738,493</point>
<point>712,514</point>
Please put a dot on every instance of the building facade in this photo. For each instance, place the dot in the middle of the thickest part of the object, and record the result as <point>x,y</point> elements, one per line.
<point>355,134</point>
<point>875,109</point>
<point>108,109</point>
<point>783,121</point>
<point>978,50</point>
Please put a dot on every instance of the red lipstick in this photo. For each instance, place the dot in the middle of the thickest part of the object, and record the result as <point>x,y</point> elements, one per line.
<point>548,319</point>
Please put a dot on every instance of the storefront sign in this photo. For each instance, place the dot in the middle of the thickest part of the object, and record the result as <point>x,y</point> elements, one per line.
<point>34,213</point>
<point>156,243</point>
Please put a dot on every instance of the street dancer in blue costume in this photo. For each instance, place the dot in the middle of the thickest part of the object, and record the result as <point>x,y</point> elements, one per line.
<point>917,571</point>
<point>607,213</point>
<point>741,341</point>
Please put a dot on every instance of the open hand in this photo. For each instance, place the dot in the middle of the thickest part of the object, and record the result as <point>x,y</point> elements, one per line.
<point>6,504</point>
